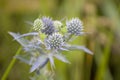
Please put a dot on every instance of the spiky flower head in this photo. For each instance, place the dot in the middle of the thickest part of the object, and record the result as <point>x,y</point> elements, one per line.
<point>38,24</point>
<point>74,26</point>
<point>48,27</point>
<point>55,41</point>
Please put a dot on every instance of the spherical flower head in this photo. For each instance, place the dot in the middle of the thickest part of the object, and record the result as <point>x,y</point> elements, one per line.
<point>48,27</point>
<point>38,24</point>
<point>74,26</point>
<point>55,41</point>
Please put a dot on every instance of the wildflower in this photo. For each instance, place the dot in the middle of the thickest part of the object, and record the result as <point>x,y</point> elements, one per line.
<point>54,41</point>
<point>38,24</point>
<point>74,26</point>
<point>44,50</point>
<point>48,27</point>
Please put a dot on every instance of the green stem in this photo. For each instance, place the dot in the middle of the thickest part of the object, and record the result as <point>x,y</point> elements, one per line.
<point>10,65</point>
<point>69,37</point>
<point>7,71</point>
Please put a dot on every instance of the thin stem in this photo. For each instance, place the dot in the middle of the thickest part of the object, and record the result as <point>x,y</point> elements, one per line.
<point>7,71</point>
<point>68,37</point>
<point>10,65</point>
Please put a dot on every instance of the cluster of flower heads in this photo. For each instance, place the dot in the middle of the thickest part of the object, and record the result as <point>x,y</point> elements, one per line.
<point>45,25</point>
<point>48,40</point>
<point>55,39</point>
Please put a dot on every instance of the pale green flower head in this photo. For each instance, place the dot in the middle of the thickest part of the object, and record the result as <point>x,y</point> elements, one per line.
<point>38,24</point>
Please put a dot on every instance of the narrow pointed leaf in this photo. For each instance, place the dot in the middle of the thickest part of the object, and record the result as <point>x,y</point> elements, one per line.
<point>64,49</point>
<point>50,56</point>
<point>74,47</point>
<point>28,34</point>
<point>28,22</point>
<point>39,63</point>
<point>61,57</point>
<point>22,41</point>
<point>21,58</point>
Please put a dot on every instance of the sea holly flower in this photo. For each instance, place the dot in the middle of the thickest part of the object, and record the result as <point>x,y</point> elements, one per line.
<point>48,27</point>
<point>54,41</point>
<point>44,25</point>
<point>74,26</point>
<point>38,24</point>
<point>40,51</point>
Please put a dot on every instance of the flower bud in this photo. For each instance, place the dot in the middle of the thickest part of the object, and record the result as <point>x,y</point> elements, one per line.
<point>38,24</point>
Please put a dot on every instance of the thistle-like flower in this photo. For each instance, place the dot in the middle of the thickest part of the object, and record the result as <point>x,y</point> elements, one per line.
<point>48,27</point>
<point>38,24</point>
<point>41,50</point>
<point>74,26</point>
<point>54,41</point>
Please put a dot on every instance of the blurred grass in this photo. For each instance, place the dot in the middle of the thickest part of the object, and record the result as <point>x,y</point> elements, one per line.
<point>101,20</point>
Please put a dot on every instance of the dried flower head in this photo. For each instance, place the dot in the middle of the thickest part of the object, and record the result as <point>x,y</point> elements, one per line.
<point>54,41</point>
<point>38,24</point>
<point>48,27</point>
<point>74,26</point>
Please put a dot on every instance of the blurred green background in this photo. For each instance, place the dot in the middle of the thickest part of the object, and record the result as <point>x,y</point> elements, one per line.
<point>101,20</point>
